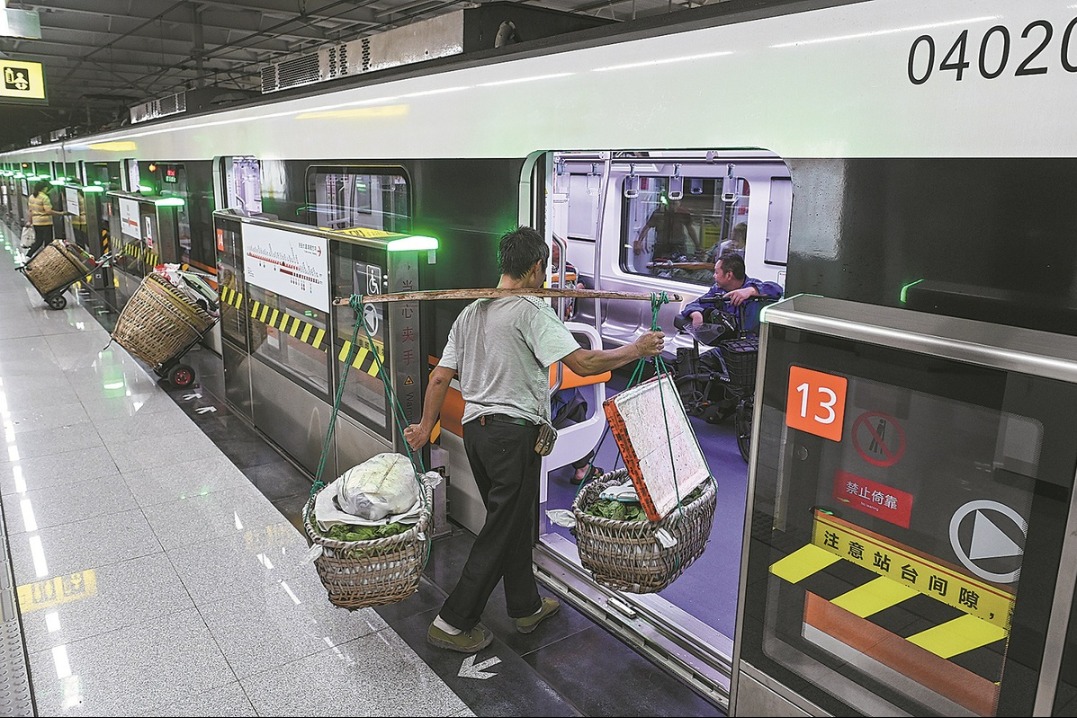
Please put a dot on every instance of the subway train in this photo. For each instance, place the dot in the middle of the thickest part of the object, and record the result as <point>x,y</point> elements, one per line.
<point>909,156</point>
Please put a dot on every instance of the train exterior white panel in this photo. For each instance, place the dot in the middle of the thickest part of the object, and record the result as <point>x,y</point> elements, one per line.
<point>834,82</point>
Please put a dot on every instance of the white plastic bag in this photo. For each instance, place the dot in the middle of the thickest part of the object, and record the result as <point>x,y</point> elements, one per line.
<point>382,485</point>
<point>27,238</point>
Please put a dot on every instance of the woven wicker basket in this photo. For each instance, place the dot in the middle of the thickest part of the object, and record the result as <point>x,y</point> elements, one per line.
<point>159,322</point>
<point>55,266</point>
<point>626,555</point>
<point>358,574</point>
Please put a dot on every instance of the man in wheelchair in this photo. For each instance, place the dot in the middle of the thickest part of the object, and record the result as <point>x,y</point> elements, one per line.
<point>728,311</point>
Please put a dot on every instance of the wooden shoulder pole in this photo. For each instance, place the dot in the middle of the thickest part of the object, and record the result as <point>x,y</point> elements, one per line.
<point>494,293</point>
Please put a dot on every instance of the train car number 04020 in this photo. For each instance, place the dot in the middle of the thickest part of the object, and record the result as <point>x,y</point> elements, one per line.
<point>1031,53</point>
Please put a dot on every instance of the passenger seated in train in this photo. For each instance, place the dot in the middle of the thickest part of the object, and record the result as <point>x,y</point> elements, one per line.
<point>722,303</point>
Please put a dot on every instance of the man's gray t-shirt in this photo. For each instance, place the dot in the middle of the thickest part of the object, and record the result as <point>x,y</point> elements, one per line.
<point>501,350</point>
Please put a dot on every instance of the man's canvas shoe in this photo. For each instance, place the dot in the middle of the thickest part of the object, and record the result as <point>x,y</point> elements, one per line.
<point>550,606</point>
<point>471,641</point>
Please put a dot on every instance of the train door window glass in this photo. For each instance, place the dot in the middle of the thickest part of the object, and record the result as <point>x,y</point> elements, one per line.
<point>230,283</point>
<point>132,175</point>
<point>356,270</point>
<point>345,197</point>
<point>244,186</point>
<point>680,239</point>
<point>906,530</point>
<point>291,337</point>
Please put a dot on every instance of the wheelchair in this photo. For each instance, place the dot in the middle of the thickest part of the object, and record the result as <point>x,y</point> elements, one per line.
<point>714,384</point>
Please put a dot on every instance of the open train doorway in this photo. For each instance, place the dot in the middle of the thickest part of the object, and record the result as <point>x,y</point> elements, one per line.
<point>655,221</point>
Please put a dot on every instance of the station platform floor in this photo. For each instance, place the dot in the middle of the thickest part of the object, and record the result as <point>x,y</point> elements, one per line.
<point>153,540</point>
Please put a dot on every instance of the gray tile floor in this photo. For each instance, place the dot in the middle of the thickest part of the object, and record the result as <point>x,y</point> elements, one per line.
<point>151,583</point>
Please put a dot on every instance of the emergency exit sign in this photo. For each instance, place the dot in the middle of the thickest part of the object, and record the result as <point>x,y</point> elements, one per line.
<point>22,82</point>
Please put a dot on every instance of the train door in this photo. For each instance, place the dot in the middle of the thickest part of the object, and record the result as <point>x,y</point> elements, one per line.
<point>656,221</point>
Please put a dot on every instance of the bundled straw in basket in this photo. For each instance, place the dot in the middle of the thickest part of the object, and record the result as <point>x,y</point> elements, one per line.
<point>627,555</point>
<point>53,267</point>
<point>159,321</point>
<point>358,574</point>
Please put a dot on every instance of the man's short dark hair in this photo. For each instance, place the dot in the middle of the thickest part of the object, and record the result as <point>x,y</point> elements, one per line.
<point>518,251</point>
<point>733,262</point>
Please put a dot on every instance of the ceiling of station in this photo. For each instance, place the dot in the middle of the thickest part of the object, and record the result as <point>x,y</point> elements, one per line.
<point>101,57</point>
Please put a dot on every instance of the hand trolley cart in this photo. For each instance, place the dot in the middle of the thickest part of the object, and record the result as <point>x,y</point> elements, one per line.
<point>159,325</point>
<point>56,267</point>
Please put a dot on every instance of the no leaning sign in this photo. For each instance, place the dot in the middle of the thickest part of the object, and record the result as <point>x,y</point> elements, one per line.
<point>22,83</point>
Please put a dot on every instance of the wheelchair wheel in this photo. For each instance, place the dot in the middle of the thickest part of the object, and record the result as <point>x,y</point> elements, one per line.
<point>742,424</point>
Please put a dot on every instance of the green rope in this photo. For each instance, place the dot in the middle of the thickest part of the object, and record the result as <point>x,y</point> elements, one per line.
<point>401,419</point>
<point>318,483</point>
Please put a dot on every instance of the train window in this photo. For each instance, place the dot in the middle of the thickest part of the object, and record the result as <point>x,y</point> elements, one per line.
<point>286,352</point>
<point>345,197</point>
<point>675,227</point>
<point>243,191</point>
<point>356,271</point>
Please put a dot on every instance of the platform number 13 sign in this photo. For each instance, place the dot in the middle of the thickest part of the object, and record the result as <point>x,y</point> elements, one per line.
<point>816,402</point>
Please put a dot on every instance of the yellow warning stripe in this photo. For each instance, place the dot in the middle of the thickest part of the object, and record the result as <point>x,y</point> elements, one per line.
<point>958,636</point>
<point>874,596</point>
<point>302,330</point>
<point>802,563</point>
<point>363,356</point>
<point>946,640</point>
<point>929,578</point>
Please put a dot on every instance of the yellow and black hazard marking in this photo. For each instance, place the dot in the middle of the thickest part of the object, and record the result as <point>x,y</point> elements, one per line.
<point>231,297</point>
<point>293,326</point>
<point>364,359</point>
<point>143,254</point>
<point>950,615</point>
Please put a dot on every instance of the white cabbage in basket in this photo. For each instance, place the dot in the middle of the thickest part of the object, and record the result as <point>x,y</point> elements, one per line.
<point>380,486</point>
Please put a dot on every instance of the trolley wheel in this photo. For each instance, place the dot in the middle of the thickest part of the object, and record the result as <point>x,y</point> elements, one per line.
<point>181,375</point>
<point>742,424</point>
<point>58,301</point>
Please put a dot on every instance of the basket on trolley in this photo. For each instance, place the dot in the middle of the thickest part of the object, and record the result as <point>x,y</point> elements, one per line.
<point>359,574</point>
<point>55,267</point>
<point>634,556</point>
<point>160,323</point>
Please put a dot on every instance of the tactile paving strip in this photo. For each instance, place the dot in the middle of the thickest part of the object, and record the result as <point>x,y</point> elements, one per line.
<point>16,698</point>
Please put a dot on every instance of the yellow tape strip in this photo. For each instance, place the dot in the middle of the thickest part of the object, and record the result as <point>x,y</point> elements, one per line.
<point>802,563</point>
<point>874,596</point>
<point>962,634</point>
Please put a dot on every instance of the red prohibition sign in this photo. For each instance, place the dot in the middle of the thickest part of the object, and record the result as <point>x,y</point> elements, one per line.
<point>883,435</point>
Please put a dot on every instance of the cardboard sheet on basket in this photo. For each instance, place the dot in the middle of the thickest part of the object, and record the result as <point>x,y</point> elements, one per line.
<point>635,418</point>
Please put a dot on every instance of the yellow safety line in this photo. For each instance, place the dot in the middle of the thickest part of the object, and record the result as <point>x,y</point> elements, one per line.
<point>962,634</point>
<point>802,563</point>
<point>874,596</point>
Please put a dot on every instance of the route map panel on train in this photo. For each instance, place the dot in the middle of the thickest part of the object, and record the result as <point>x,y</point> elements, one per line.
<point>902,527</point>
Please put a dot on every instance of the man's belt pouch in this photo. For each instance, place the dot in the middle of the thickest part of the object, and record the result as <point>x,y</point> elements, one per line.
<point>546,436</point>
